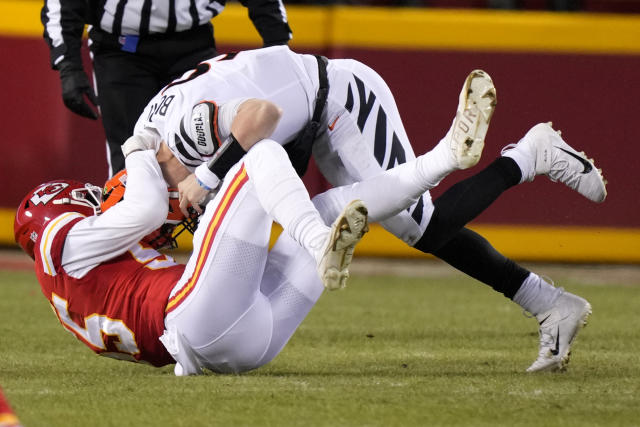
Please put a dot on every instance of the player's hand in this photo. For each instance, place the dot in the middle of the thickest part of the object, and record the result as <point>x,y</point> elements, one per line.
<point>75,85</point>
<point>191,193</point>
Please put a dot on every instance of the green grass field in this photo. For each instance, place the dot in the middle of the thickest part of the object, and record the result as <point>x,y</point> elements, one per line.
<point>387,351</point>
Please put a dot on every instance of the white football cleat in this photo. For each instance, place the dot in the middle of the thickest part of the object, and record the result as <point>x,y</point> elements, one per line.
<point>553,157</point>
<point>476,104</point>
<point>558,328</point>
<point>346,232</point>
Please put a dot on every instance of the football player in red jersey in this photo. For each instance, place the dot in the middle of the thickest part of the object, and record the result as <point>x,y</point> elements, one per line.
<point>7,417</point>
<point>235,304</point>
<point>231,308</point>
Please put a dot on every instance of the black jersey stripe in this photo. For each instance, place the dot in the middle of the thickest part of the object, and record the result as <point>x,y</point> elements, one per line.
<point>184,154</point>
<point>366,102</point>
<point>187,138</point>
<point>418,211</point>
<point>380,138</point>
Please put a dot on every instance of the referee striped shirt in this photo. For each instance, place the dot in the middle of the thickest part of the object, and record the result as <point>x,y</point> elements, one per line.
<point>64,20</point>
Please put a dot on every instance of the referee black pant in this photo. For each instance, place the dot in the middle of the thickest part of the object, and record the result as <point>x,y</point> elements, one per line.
<point>126,81</point>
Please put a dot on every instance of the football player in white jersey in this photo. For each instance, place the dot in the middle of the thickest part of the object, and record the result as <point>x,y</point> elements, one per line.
<point>343,113</point>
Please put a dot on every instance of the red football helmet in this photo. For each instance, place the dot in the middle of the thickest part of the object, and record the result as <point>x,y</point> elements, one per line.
<point>165,236</point>
<point>48,201</point>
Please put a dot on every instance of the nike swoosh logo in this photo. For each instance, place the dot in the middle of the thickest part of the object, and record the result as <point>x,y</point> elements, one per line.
<point>333,124</point>
<point>556,350</point>
<point>585,163</point>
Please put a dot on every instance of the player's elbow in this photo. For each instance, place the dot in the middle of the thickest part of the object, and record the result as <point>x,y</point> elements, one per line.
<point>256,120</point>
<point>267,117</point>
<point>271,112</point>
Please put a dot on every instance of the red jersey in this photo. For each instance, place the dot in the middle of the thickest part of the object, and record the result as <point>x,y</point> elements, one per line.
<point>7,417</point>
<point>117,309</point>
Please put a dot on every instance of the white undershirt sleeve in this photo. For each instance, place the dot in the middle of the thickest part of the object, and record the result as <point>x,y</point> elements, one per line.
<point>226,114</point>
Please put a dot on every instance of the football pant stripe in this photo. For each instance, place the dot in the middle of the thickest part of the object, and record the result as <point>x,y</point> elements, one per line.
<point>238,181</point>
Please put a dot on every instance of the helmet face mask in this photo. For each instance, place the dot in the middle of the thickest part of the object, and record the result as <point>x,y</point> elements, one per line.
<point>89,196</point>
<point>49,200</point>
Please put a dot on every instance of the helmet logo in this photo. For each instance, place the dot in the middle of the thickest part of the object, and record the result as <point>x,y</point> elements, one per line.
<point>47,192</point>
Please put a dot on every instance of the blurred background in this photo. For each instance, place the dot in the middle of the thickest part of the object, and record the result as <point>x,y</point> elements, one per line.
<point>573,62</point>
<point>615,6</point>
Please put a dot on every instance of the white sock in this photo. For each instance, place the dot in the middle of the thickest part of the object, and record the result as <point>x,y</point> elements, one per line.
<point>522,163</point>
<point>523,160</point>
<point>536,295</point>
<point>284,197</point>
<point>437,163</point>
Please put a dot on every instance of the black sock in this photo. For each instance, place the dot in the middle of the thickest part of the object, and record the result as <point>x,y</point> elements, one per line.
<point>466,200</point>
<point>467,251</point>
<point>472,254</point>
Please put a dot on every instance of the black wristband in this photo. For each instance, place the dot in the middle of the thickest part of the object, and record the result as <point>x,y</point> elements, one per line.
<point>231,154</point>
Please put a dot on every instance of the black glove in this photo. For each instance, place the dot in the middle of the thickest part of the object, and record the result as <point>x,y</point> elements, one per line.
<point>75,85</point>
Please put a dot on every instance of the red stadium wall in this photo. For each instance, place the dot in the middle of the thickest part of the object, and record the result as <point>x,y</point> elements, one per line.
<point>587,90</point>
<point>40,139</point>
<point>587,97</point>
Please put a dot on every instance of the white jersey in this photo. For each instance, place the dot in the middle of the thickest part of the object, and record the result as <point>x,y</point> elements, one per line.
<point>360,135</point>
<point>277,74</point>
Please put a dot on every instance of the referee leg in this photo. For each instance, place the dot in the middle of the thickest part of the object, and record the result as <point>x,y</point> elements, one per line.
<point>125,84</point>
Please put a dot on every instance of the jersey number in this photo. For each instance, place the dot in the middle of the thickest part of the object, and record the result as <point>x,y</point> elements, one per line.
<point>200,69</point>
<point>144,254</point>
<point>121,343</point>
